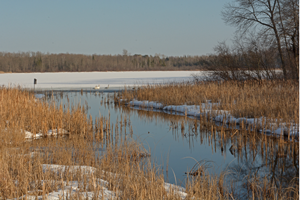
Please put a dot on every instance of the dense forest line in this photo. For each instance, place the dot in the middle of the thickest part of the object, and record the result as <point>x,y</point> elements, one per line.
<point>41,62</point>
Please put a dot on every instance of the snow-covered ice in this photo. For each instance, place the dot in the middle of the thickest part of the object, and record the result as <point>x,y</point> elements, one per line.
<point>77,80</point>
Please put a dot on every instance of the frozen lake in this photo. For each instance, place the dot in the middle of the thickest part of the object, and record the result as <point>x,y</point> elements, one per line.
<point>88,80</point>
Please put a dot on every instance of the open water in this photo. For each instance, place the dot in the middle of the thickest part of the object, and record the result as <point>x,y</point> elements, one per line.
<point>177,150</point>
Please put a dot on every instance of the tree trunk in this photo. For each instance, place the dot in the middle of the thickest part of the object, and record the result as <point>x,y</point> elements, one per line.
<point>277,39</point>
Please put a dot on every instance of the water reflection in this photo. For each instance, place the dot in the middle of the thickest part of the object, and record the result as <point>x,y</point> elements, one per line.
<point>278,169</point>
<point>178,143</point>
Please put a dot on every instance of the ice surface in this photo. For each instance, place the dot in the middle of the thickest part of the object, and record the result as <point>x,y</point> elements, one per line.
<point>69,80</point>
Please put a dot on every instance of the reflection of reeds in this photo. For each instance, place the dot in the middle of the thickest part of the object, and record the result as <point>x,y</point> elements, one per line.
<point>199,168</point>
<point>271,99</point>
<point>239,142</point>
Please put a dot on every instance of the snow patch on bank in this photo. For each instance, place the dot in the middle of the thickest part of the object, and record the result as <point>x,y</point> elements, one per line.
<point>73,187</point>
<point>54,132</point>
<point>262,124</point>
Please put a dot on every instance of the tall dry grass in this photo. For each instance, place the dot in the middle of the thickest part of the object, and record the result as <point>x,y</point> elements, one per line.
<point>276,100</point>
<point>27,168</point>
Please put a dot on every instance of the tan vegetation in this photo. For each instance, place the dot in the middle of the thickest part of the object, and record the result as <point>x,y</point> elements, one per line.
<point>23,164</point>
<point>251,99</point>
<point>35,168</point>
<point>272,99</point>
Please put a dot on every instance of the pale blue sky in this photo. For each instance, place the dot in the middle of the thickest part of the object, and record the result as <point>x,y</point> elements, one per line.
<point>169,27</point>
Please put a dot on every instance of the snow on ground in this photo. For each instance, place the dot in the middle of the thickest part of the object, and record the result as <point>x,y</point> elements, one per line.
<point>276,129</point>
<point>78,80</point>
<point>73,187</point>
<point>54,132</point>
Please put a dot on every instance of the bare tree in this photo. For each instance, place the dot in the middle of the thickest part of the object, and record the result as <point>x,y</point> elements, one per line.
<point>289,29</point>
<point>249,58</point>
<point>271,21</point>
<point>125,52</point>
<point>227,65</point>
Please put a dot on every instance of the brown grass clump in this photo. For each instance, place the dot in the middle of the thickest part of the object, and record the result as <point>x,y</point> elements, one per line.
<point>271,99</point>
<point>20,112</point>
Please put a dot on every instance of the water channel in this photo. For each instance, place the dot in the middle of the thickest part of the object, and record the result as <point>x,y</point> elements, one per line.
<point>177,143</point>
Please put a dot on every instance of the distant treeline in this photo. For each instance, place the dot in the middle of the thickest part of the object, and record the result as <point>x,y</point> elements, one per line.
<point>41,62</point>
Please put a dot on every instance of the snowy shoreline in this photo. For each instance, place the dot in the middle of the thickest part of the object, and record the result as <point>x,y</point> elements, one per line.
<point>262,124</point>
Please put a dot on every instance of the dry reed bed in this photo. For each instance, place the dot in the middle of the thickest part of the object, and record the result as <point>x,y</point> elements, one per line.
<point>24,165</point>
<point>123,171</point>
<point>19,110</point>
<point>278,101</point>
